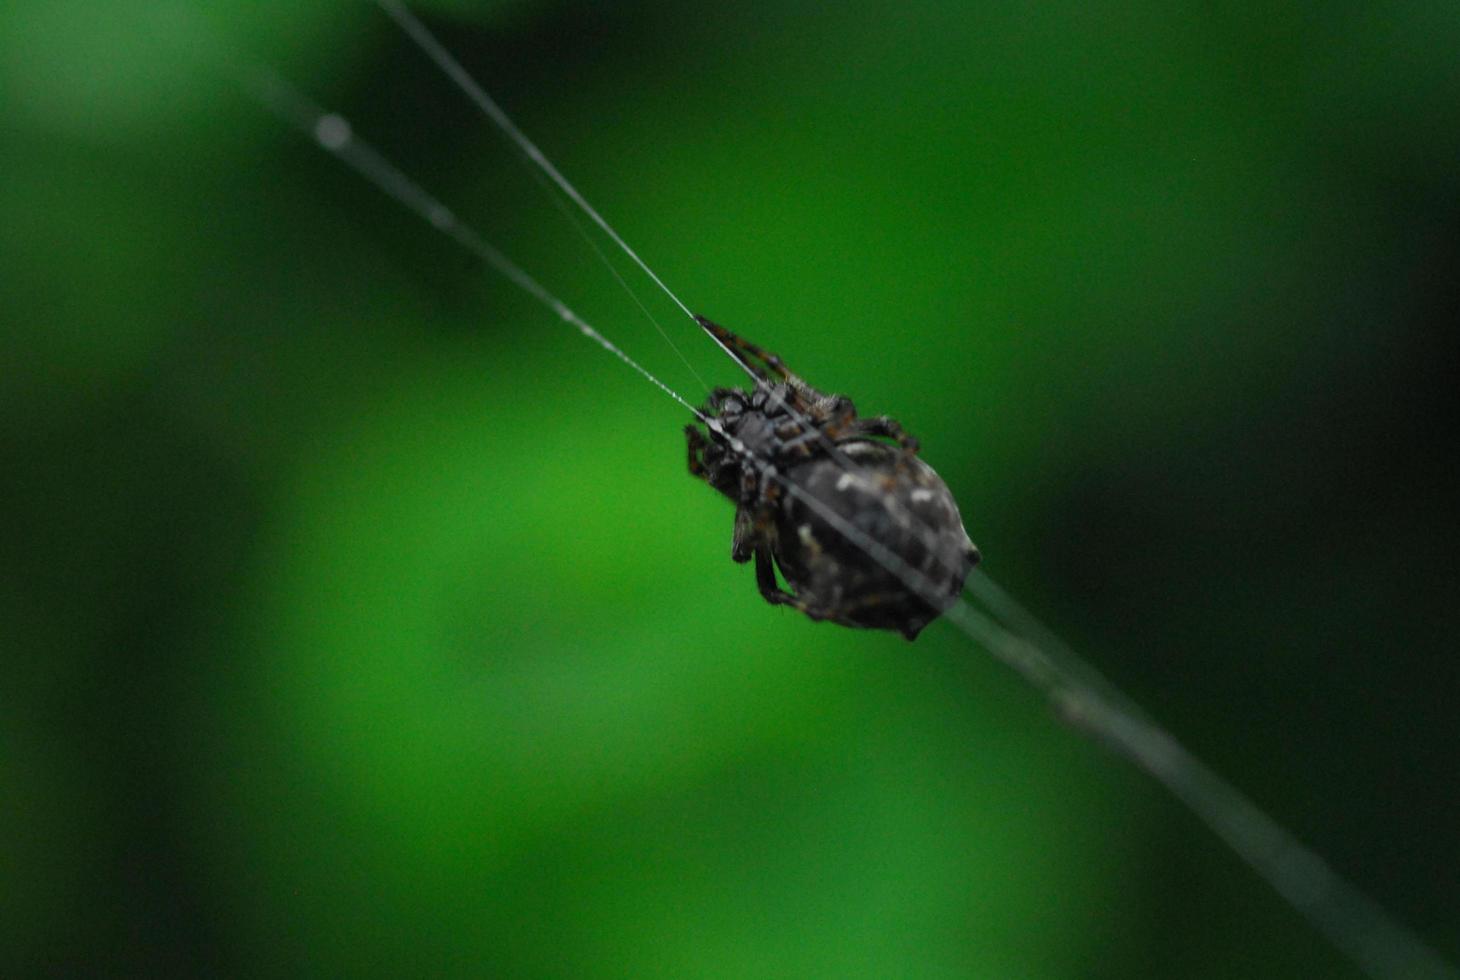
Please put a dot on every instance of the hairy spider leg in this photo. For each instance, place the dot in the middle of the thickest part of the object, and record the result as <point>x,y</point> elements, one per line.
<point>762,363</point>
<point>801,445</point>
<point>743,539</point>
<point>884,425</point>
<point>805,400</point>
<point>771,591</point>
<point>760,491</point>
<point>718,396</point>
<point>696,444</point>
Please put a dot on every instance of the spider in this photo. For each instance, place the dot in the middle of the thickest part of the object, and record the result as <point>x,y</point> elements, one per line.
<point>879,487</point>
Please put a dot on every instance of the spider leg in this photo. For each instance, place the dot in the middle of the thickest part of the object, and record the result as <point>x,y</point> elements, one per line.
<point>770,590</point>
<point>836,414</point>
<point>797,442</point>
<point>696,444</point>
<point>769,493</point>
<point>748,487</point>
<point>755,516</point>
<point>882,425</point>
<point>720,395</point>
<point>742,542</point>
<point>760,361</point>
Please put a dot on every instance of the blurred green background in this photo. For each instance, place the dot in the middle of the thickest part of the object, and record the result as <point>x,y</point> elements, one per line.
<point>360,619</point>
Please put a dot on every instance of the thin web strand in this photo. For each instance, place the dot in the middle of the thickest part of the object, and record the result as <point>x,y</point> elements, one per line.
<point>1355,924</point>
<point>334,134</point>
<point>1349,919</point>
<point>443,59</point>
<point>587,237</point>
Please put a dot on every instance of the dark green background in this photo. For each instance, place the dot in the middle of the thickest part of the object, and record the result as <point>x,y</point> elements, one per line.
<point>358,618</point>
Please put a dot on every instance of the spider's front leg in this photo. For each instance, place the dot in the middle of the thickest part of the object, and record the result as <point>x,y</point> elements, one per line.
<point>882,425</point>
<point>696,444</point>
<point>761,361</point>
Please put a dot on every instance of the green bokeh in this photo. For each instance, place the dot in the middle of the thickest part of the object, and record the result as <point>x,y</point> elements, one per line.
<point>361,619</point>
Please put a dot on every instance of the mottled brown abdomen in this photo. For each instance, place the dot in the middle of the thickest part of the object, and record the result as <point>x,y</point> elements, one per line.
<point>894,499</point>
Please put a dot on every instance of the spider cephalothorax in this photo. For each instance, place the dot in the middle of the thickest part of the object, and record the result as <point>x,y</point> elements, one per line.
<point>788,431</point>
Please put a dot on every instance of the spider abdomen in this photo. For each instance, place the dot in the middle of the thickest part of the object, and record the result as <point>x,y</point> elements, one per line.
<point>898,502</point>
